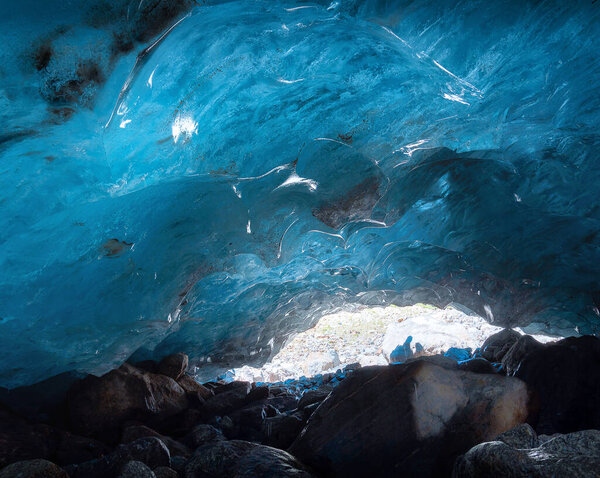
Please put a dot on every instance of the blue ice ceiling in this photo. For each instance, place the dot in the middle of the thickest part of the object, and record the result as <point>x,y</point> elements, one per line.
<point>210,177</point>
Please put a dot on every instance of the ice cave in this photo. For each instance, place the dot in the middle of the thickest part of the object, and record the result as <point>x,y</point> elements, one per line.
<point>187,185</point>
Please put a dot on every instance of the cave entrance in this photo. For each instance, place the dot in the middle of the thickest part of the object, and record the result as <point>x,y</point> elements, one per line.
<point>373,336</point>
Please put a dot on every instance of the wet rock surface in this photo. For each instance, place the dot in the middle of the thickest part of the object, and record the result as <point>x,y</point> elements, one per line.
<point>573,454</point>
<point>566,379</point>
<point>150,451</point>
<point>97,405</point>
<point>33,469</point>
<point>243,459</point>
<point>409,419</point>
<point>414,419</point>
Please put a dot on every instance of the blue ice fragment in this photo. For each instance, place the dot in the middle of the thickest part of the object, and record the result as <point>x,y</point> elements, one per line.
<point>458,354</point>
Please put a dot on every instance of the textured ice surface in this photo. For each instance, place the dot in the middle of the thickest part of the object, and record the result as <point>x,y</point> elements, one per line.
<point>221,186</point>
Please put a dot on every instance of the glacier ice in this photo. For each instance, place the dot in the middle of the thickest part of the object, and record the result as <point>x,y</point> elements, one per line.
<point>211,178</point>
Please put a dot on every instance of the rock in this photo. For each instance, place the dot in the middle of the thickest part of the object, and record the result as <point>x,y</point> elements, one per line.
<point>33,469</point>
<point>565,376</point>
<point>523,436</point>
<point>98,405</point>
<point>134,432</point>
<point>178,464</point>
<point>512,360</point>
<point>21,440</point>
<point>151,451</point>
<point>476,365</point>
<point>257,393</point>
<point>243,388</point>
<point>575,454</point>
<point>173,365</point>
<point>72,449</point>
<point>136,469</point>
<point>194,388</point>
<point>165,472</point>
<point>316,395</point>
<point>317,362</point>
<point>248,421</point>
<point>439,360</point>
<point>409,419</point>
<point>243,460</point>
<point>280,431</point>
<point>496,346</point>
<point>42,400</point>
<point>147,366</point>
<point>182,423</point>
<point>227,398</point>
<point>203,434</point>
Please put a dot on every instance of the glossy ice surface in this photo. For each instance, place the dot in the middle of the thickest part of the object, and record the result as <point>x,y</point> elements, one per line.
<point>216,182</point>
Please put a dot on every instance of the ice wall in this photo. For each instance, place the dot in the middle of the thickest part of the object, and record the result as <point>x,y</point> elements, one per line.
<point>212,177</point>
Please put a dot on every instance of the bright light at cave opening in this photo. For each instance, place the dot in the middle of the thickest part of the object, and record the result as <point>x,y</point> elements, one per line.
<point>183,126</point>
<point>374,336</point>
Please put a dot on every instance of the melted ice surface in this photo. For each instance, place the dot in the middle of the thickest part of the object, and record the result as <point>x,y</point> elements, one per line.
<point>264,163</point>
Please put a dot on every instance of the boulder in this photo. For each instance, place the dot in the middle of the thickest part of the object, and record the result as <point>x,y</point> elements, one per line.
<point>227,398</point>
<point>438,359</point>
<point>497,345</point>
<point>281,430</point>
<point>150,451</point>
<point>203,434</point>
<point>411,419</point>
<point>241,387</point>
<point>21,440</point>
<point>522,436</point>
<point>180,424</point>
<point>165,472</point>
<point>98,405</point>
<point>193,388</point>
<point>521,348</point>
<point>136,469</point>
<point>33,469</point>
<point>316,395</point>
<point>574,454</point>
<point>135,432</point>
<point>243,459</point>
<point>257,393</point>
<point>173,365</point>
<point>476,365</point>
<point>565,376</point>
<point>147,366</point>
<point>74,449</point>
<point>178,464</point>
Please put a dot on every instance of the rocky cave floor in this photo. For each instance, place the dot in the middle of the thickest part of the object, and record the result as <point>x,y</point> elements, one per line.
<point>513,407</point>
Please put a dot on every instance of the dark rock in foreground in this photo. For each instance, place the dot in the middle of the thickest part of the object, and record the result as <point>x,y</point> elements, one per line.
<point>173,365</point>
<point>33,469</point>
<point>98,405</point>
<point>411,419</point>
<point>136,469</point>
<point>150,451</point>
<point>574,455</point>
<point>23,440</point>
<point>497,345</point>
<point>566,378</point>
<point>243,460</point>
